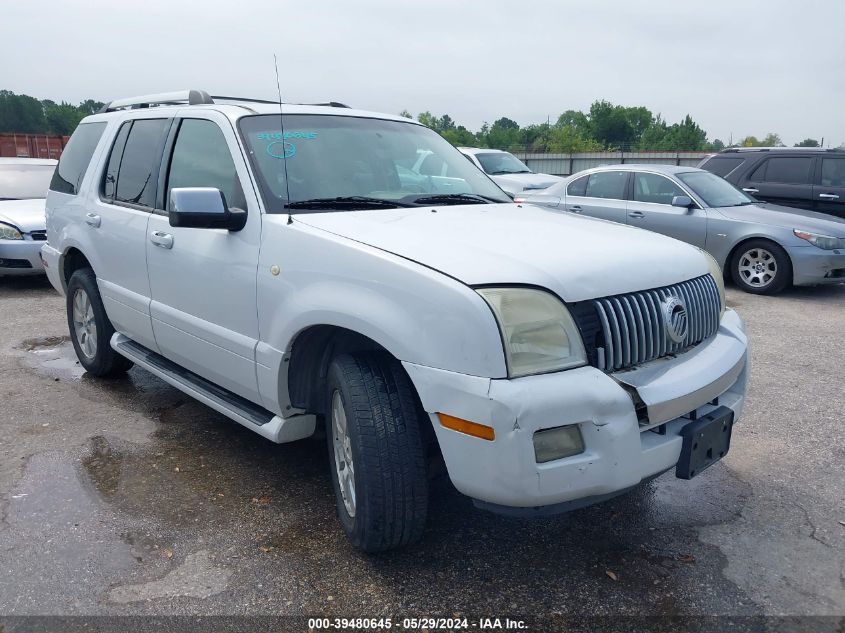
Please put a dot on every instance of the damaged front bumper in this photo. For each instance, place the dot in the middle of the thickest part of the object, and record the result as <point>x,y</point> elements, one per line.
<point>620,448</point>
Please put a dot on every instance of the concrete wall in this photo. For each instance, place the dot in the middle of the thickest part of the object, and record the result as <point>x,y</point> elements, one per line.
<point>566,164</point>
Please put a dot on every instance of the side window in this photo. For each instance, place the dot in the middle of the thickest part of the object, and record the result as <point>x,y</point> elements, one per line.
<point>789,170</point>
<point>201,158</point>
<point>759,174</point>
<point>833,172</point>
<point>110,177</point>
<point>655,189</point>
<point>577,187</point>
<point>75,158</point>
<point>138,173</point>
<point>607,184</point>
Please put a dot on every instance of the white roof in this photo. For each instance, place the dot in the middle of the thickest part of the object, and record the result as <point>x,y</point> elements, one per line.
<point>238,109</point>
<point>481,150</point>
<point>28,161</point>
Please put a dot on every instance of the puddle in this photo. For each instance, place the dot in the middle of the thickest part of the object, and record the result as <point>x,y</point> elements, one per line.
<point>53,357</point>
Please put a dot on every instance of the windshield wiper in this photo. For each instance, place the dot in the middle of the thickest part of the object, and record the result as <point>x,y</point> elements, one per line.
<point>506,172</point>
<point>456,198</point>
<point>344,202</point>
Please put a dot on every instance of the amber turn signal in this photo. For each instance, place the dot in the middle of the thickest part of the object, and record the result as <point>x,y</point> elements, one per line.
<point>465,426</point>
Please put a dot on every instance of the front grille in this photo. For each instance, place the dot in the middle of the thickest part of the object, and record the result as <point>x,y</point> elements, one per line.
<point>39,236</point>
<point>626,330</point>
<point>15,263</point>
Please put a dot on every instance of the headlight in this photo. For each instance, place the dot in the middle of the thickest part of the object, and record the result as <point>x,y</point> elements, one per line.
<point>718,277</point>
<point>822,241</point>
<point>8,232</point>
<point>538,332</point>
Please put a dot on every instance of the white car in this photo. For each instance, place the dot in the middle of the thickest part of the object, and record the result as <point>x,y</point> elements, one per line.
<point>274,266</point>
<point>23,188</point>
<point>510,173</point>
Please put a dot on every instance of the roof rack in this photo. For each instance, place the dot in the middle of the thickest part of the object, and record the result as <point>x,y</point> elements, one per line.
<point>190,97</point>
<point>734,150</point>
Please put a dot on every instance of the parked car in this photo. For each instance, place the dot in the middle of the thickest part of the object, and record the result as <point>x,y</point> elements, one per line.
<point>763,247</point>
<point>274,267</point>
<point>23,188</point>
<point>510,173</point>
<point>806,178</point>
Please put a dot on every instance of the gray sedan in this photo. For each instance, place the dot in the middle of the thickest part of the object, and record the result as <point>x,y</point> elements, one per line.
<point>763,247</point>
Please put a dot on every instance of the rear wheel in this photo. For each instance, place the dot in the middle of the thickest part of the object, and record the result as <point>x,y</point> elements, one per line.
<point>376,451</point>
<point>761,267</point>
<point>90,328</point>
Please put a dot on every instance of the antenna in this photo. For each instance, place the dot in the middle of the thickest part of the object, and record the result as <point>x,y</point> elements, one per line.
<point>282,127</point>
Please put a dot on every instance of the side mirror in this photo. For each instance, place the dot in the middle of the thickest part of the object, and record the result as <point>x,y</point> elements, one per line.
<point>682,201</point>
<point>203,208</point>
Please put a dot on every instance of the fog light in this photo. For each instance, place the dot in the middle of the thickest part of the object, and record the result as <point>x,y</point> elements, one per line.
<point>563,441</point>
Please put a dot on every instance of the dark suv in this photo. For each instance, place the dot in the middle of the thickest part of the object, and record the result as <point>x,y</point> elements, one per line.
<point>807,178</point>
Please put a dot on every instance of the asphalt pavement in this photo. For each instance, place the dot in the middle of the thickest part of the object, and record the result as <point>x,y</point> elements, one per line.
<point>126,497</point>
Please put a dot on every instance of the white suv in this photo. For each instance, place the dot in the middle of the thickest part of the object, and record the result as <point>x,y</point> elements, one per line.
<point>276,267</point>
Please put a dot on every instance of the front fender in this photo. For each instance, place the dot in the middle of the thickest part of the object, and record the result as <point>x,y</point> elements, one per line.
<point>419,315</point>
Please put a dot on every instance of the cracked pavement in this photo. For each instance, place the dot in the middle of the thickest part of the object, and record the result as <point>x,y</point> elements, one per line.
<point>127,497</point>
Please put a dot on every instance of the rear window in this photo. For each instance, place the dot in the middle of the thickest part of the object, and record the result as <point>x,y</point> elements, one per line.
<point>75,158</point>
<point>20,181</point>
<point>722,165</point>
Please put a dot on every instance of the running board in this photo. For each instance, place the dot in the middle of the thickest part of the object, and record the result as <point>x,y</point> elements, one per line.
<point>252,416</point>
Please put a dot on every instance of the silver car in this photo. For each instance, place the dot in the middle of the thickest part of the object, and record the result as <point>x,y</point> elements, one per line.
<point>764,247</point>
<point>23,188</point>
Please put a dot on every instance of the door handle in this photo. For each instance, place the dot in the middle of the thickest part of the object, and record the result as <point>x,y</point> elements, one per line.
<point>829,196</point>
<point>636,215</point>
<point>161,239</point>
<point>750,190</point>
<point>92,219</point>
<point>575,208</point>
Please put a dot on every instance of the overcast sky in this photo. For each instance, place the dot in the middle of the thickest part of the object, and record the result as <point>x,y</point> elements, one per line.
<point>738,67</point>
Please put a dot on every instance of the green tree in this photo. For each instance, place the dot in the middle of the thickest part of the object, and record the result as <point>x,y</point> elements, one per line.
<point>406,114</point>
<point>687,135</point>
<point>460,136</point>
<point>20,113</point>
<point>503,134</point>
<point>772,140</point>
<point>808,142</point>
<point>569,139</point>
<point>61,118</point>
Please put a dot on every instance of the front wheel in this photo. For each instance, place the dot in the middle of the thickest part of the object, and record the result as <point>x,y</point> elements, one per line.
<point>90,328</point>
<point>761,267</point>
<point>376,451</point>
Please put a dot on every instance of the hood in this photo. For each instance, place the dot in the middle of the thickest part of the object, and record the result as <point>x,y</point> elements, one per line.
<point>574,256</point>
<point>27,215</point>
<point>787,217</point>
<point>514,183</point>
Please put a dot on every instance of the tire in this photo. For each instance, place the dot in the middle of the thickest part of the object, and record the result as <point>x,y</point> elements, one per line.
<point>389,495</point>
<point>90,328</point>
<point>761,267</point>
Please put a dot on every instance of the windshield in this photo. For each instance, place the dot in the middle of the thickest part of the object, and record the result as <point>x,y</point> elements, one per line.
<point>325,162</point>
<point>497,163</point>
<point>22,181</point>
<point>715,191</point>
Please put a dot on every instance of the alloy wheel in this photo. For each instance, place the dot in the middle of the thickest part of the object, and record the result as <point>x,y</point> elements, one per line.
<point>344,467</point>
<point>757,267</point>
<point>84,323</point>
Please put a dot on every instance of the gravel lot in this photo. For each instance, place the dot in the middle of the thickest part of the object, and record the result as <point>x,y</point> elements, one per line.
<point>127,497</point>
